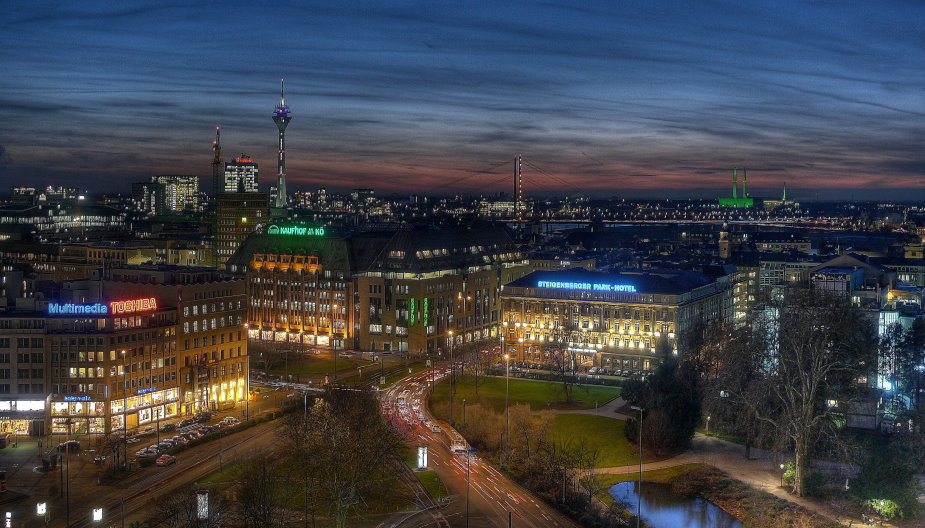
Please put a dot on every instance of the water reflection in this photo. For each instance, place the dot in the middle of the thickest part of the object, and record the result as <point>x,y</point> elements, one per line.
<point>663,509</point>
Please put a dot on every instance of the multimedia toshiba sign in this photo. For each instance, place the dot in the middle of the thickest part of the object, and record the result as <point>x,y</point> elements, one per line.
<point>98,310</point>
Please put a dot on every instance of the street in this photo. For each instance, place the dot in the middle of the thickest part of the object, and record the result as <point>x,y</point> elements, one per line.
<point>492,496</point>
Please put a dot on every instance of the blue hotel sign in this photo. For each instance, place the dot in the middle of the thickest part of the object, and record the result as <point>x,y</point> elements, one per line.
<point>146,390</point>
<point>589,286</point>
<point>76,398</point>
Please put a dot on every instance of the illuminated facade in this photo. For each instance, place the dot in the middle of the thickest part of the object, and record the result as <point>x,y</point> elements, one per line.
<point>241,175</point>
<point>410,291</point>
<point>611,320</point>
<point>238,215</point>
<point>143,344</point>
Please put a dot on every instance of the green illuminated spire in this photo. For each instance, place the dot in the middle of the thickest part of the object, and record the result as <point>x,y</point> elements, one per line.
<point>735,181</point>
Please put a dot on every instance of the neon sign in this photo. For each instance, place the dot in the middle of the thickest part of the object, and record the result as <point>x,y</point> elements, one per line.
<point>134,305</point>
<point>590,286</point>
<point>295,230</point>
<point>77,309</point>
<point>76,398</point>
<point>146,390</point>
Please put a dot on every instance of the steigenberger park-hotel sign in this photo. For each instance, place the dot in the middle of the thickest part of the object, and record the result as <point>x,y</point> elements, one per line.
<point>588,286</point>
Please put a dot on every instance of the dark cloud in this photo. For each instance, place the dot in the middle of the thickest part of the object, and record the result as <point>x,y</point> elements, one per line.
<point>602,95</point>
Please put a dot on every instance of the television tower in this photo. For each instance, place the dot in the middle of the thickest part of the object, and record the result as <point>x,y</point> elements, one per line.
<point>218,174</point>
<point>281,117</point>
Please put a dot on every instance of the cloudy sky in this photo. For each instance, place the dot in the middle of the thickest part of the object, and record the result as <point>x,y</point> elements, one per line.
<point>619,97</point>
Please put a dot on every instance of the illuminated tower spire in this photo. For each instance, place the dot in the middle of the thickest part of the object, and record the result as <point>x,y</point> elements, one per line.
<point>735,181</point>
<point>518,187</point>
<point>744,183</point>
<point>218,174</point>
<point>281,117</point>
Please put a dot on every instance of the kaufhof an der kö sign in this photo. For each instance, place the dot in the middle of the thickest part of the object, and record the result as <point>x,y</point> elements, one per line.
<point>98,309</point>
<point>295,230</point>
<point>588,286</point>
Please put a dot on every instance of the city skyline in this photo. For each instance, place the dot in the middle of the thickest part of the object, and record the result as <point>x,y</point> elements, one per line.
<point>632,99</point>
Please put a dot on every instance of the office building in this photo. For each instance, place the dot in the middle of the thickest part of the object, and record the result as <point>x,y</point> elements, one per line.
<point>241,175</point>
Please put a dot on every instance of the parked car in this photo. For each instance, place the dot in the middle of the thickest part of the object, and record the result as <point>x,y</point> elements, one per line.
<point>71,446</point>
<point>203,417</point>
<point>165,460</point>
<point>186,421</point>
<point>167,427</point>
<point>147,431</point>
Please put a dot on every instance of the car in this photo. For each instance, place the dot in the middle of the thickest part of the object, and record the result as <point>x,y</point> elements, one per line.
<point>71,446</point>
<point>133,440</point>
<point>165,460</point>
<point>203,417</point>
<point>186,421</point>
<point>435,428</point>
<point>167,427</point>
<point>147,431</point>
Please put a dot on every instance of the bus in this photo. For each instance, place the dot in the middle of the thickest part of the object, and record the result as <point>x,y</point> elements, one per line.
<point>458,444</point>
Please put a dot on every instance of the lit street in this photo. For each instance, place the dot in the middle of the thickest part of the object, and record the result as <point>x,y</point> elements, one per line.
<point>492,496</point>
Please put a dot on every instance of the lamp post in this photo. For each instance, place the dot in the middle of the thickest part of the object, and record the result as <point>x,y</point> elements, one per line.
<point>507,387</point>
<point>124,403</point>
<point>452,378</point>
<point>708,425</point>
<point>331,339</point>
<point>782,475</point>
<point>639,485</point>
<point>468,455</point>
<point>97,516</point>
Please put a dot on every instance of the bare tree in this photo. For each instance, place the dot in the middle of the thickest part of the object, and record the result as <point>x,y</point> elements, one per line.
<point>799,365</point>
<point>563,360</point>
<point>261,494</point>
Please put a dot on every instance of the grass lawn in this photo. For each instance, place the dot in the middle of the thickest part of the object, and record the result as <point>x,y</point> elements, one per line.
<point>432,483</point>
<point>536,393</point>
<point>600,432</point>
<point>317,366</point>
<point>229,473</point>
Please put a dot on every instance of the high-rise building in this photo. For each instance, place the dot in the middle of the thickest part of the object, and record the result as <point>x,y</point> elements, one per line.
<point>181,193</point>
<point>281,116</point>
<point>241,175</point>
<point>237,214</point>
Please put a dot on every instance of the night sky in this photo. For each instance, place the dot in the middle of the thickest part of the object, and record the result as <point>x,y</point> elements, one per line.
<point>625,98</point>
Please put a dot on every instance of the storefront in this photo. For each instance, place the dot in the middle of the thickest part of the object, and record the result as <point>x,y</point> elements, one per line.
<point>77,415</point>
<point>151,406</point>
<point>22,417</point>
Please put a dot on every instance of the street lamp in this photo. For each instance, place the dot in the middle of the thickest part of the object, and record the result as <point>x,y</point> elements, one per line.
<point>97,515</point>
<point>782,475</point>
<point>639,486</point>
<point>452,377</point>
<point>331,339</point>
<point>124,402</point>
<point>507,386</point>
<point>708,425</point>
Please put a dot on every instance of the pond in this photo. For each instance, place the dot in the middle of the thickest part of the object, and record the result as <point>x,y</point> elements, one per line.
<point>663,509</point>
